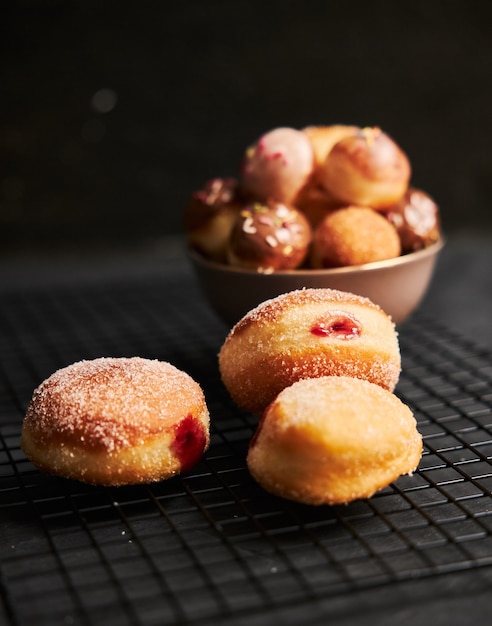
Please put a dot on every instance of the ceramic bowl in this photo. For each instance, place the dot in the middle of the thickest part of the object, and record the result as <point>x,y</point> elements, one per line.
<point>396,285</point>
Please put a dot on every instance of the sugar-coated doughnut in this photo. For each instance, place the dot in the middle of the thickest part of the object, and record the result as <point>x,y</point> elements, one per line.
<point>367,169</point>
<point>307,333</point>
<point>353,236</point>
<point>416,219</point>
<point>333,440</point>
<point>277,166</point>
<point>116,421</point>
<point>210,215</point>
<point>269,236</point>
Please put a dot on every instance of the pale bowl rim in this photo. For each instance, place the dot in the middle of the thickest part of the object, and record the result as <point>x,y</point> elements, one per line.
<point>403,259</point>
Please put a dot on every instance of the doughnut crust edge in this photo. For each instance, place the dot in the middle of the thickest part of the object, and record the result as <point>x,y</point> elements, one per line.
<point>116,421</point>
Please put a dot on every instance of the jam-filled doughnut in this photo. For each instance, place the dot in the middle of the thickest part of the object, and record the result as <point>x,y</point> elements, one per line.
<point>277,166</point>
<point>367,168</point>
<point>416,219</point>
<point>210,215</point>
<point>269,236</point>
<point>116,421</point>
<point>307,333</point>
<point>353,236</point>
<point>332,440</point>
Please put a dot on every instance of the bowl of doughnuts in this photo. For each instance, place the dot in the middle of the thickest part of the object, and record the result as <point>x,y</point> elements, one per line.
<point>319,207</point>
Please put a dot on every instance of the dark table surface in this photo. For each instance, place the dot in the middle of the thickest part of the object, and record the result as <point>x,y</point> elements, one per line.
<point>108,118</point>
<point>460,294</point>
<point>211,547</point>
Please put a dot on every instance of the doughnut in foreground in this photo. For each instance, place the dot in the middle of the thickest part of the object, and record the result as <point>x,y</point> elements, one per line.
<point>116,421</point>
<point>333,440</point>
<point>307,333</point>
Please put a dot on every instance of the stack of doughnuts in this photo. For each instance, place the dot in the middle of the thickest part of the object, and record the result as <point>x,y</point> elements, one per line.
<point>319,366</point>
<point>346,189</point>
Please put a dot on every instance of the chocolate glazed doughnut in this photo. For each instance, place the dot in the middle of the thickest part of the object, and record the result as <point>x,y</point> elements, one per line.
<point>269,236</point>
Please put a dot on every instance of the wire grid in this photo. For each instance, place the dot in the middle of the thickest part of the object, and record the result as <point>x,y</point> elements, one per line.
<point>211,544</point>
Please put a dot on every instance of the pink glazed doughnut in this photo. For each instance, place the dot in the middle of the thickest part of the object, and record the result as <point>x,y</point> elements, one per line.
<point>277,166</point>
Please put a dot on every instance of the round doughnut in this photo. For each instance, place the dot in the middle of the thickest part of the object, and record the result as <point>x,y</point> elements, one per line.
<point>307,333</point>
<point>367,168</point>
<point>416,219</point>
<point>353,236</point>
<point>268,237</point>
<point>116,421</point>
<point>210,215</point>
<point>333,440</point>
<point>323,138</point>
<point>315,203</point>
<point>277,166</point>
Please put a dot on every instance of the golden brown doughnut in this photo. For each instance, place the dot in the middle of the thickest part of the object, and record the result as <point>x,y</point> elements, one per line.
<point>307,333</point>
<point>353,236</point>
<point>116,421</point>
<point>323,138</point>
<point>315,203</point>
<point>367,169</point>
<point>332,440</point>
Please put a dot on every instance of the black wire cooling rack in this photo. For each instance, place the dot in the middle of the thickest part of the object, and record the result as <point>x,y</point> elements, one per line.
<point>210,546</point>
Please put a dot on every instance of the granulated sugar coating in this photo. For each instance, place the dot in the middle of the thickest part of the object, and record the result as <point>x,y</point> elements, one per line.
<point>134,408</point>
<point>333,439</point>
<point>307,333</point>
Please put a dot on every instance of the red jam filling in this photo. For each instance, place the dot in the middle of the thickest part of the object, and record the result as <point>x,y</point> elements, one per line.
<point>189,442</point>
<point>337,325</point>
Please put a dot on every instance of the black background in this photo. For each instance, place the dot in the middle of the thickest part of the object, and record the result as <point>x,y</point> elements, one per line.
<point>192,83</point>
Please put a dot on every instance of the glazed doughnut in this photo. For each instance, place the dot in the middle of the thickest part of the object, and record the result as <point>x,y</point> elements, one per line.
<point>269,236</point>
<point>210,215</point>
<point>277,166</point>
<point>367,168</point>
<point>416,219</point>
<point>116,421</point>
<point>332,440</point>
<point>353,236</point>
<point>307,333</point>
